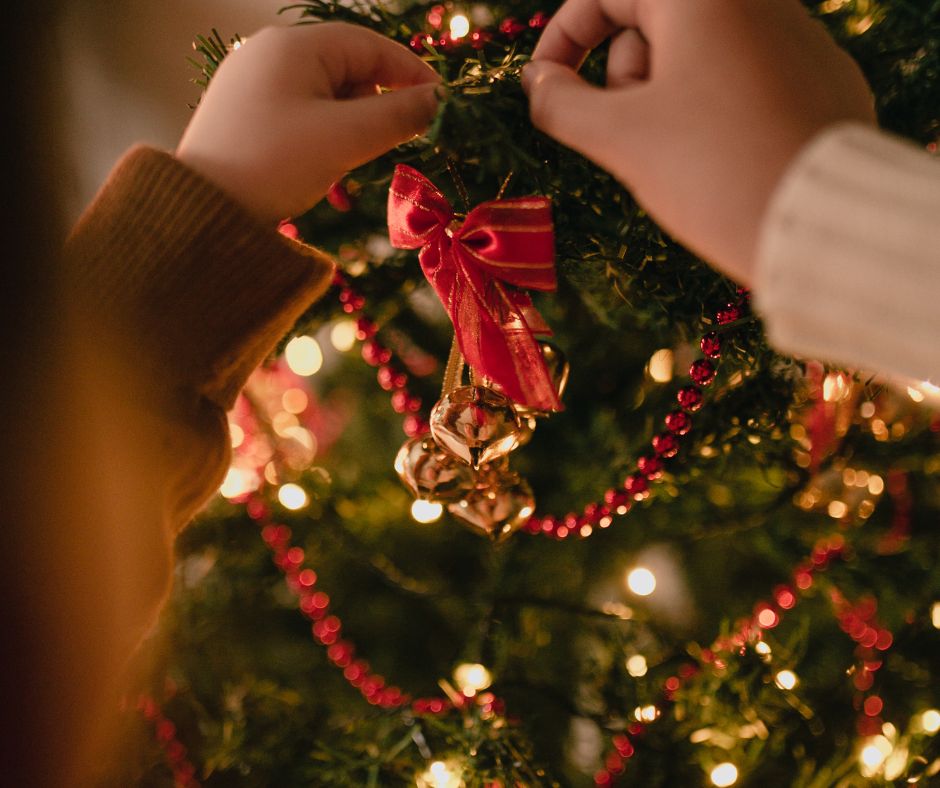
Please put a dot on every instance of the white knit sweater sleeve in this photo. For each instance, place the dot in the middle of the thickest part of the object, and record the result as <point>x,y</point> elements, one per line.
<point>848,265</point>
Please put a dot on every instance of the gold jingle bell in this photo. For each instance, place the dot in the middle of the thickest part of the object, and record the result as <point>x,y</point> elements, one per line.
<point>429,473</point>
<point>498,510</point>
<point>475,424</point>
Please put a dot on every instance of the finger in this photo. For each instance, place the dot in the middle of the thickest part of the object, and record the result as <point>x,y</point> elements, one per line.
<point>566,107</point>
<point>580,25</point>
<point>627,60</point>
<point>353,56</point>
<point>368,127</point>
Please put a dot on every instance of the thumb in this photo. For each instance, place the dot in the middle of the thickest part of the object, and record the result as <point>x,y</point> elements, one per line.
<point>564,106</point>
<point>368,127</point>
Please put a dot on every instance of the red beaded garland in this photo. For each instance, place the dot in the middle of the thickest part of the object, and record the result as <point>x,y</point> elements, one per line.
<point>711,345</point>
<point>637,486</point>
<point>650,467</point>
<point>702,371</point>
<point>666,444</point>
<point>729,314</point>
<point>511,27</point>
<point>690,398</point>
<point>678,422</point>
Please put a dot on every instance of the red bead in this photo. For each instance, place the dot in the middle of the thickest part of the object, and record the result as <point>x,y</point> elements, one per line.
<point>480,38</point>
<point>616,500</point>
<point>539,20</point>
<point>338,197</point>
<point>375,354</point>
<point>415,425</point>
<point>729,314</point>
<point>690,398</point>
<point>511,27</point>
<point>400,401</point>
<point>678,422</point>
<point>711,345</point>
<point>418,40</point>
<point>435,16</point>
<point>666,444</point>
<point>650,467</point>
<point>702,371</point>
<point>636,486</point>
<point>365,329</point>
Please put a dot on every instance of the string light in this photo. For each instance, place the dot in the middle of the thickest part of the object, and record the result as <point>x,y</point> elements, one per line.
<point>343,335</point>
<point>295,401</point>
<point>471,677</point>
<point>439,775</point>
<point>646,713</point>
<point>237,435</point>
<point>636,666</point>
<point>660,365</point>
<point>238,483</point>
<point>873,755</point>
<point>724,774</point>
<point>935,615</point>
<point>641,581</point>
<point>930,719</point>
<point>426,511</point>
<point>304,356</point>
<point>292,496</point>
<point>786,679</point>
<point>459,26</point>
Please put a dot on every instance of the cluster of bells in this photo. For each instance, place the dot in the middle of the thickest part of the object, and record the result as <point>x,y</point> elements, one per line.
<point>463,463</point>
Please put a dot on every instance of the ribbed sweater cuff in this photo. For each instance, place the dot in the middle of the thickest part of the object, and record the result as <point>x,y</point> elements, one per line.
<point>848,263</point>
<point>200,288</point>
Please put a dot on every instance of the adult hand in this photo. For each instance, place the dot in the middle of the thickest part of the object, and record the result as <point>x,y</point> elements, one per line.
<point>706,104</point>
<point>296,107</point>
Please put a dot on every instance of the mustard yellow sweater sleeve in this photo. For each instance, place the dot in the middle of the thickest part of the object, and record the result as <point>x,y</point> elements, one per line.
<point>193,293</point>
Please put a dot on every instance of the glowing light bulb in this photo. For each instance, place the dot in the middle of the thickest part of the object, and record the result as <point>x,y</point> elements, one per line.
<point>660,365</point>
<point>641,581</point>
<point>646,713</point>
<point>786,679</point>
<point>304,356</point>
<point>292,496</point>
<point>237,483</point>
<point>459,26</point>
<point>762,648</point>
<point>724,774</point>
<point>343,335</point>
<point>930,719</point>
<point>873,756</point>
<point>439,775</point>
<point>636,666</point>
<point>471,677</point>
<point>426,511</point>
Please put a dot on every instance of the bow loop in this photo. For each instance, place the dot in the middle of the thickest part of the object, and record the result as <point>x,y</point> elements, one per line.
<point>469,264</point>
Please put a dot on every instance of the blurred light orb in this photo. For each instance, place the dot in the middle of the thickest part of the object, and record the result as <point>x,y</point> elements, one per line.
<point>459,26</point>
<point>426,511</point>
<point>660,365</point>
<point>304,356</point>
<point>471,677</point>
<point>292,496</point>
<point>343,335</point>
<point>786,679</point>
<point>724,774</point>
<point>930,719</point>
<point>641,581</point>
<point>636,666</point>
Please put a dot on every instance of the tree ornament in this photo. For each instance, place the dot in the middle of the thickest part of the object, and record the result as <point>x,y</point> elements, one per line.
<point>690,398</point>
<point>476,425</point>
<point>558,369</point>
<point>711,344</point>
<point>496,510</point>
<point>702,371</point>
<point>431,474</point>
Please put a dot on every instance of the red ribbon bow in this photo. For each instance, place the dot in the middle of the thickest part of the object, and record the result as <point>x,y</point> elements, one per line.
<point>467,264</point>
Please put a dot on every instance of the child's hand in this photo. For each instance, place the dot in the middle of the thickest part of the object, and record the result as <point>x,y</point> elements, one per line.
<point>706,104</point>
<point>294,108</point>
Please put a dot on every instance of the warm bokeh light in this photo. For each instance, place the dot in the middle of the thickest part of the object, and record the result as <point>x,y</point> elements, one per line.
<point>873,755</point>
<point>935,615</point>
<point>295,401</point>
<point>660,365</point>
<point>238,482</point>
<point>292,496</point>
<point>459,26</point>
<point>930,719</point>
<point>237,434</point>
<point>641,581</point>
<point>724,774</point>
<point>636,666</point>
<point>471,677</point>
<point>426,511</point>
<point>646,713</point>
<point>786,680</point>
<point>343,335</point>
<point>762,648</point>
<point>440,775</point>
<point>304,356</point>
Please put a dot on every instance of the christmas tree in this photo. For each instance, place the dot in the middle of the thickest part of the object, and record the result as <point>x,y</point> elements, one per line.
<point>715,565</point>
